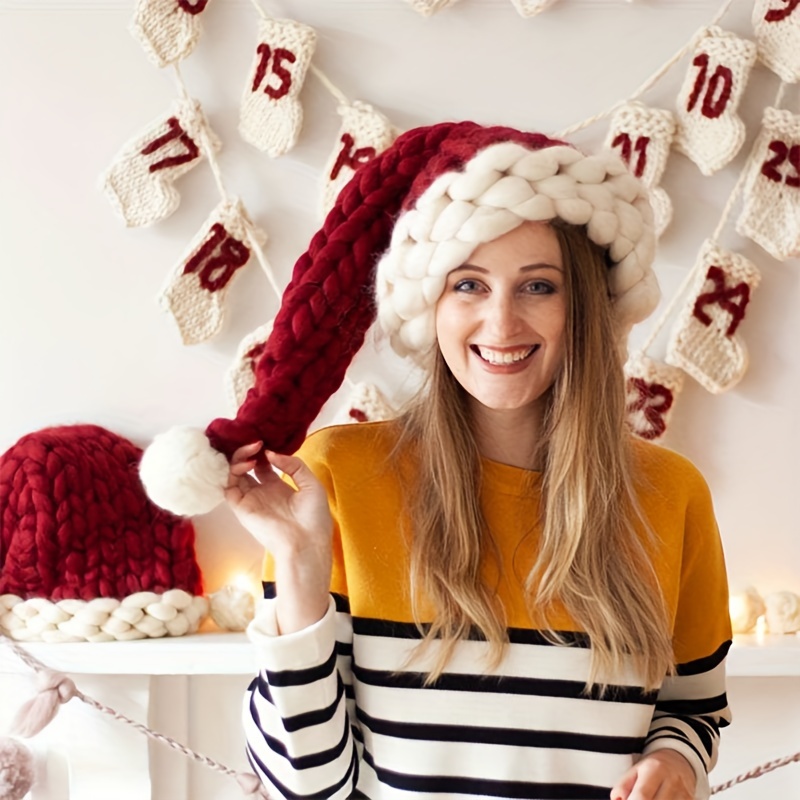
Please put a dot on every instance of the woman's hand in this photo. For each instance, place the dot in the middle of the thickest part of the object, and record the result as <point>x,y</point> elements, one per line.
<point>662,775</point>
<point>295,526</point>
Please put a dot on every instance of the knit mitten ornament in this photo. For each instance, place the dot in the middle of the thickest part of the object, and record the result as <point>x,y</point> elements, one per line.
<point>704,343</point>
<point>168,30</point>
<point>530,8</point>
<point>643,137</point>
<point>709,130</point>
<point>428,7</point>
<point>139,182</point>
<point>364,133</point>
<point>367,404</point>
<point>270,116</point>
<point>241,376</point>
<point>651,391</point>
<point>195,291</point>
<point>771,213</point>
<point>778,35</point>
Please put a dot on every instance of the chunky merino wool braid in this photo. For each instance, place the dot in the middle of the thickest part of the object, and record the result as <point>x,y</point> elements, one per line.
<point>771,212</point>
<point>168,30</point>
<point>777,32</point>
<point>271,115</point>
<point>76,526</point>
<point>709,131</point>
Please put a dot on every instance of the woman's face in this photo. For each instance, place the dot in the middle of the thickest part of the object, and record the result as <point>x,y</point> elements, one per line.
<point>500,321</point>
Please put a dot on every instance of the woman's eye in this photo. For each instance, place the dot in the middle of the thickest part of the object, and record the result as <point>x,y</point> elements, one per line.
<point>539,287</point>
<point>466,285</point>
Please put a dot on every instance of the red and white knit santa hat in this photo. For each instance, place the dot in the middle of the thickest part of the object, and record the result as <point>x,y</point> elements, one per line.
<point>84,554</point>
<point>404,220</point>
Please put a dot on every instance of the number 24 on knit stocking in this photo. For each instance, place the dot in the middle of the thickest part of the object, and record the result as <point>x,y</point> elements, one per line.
<point>704,342</point>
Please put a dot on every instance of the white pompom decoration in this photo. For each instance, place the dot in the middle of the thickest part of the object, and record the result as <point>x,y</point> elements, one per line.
<point>746,606</point>
<point>783,612</point>
<point>16,769</point>
<point>232,608</point>
<point>183,473</point>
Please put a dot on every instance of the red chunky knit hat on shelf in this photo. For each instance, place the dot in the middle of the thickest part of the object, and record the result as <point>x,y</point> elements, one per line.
<point>404,220</point>
<point>84,554</point>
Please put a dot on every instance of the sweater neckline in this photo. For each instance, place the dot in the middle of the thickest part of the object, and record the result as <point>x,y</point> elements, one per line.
<point>504,478</point>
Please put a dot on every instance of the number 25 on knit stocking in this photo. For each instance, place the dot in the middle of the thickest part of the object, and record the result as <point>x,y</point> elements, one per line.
<point>271,116</point>
<point>771,213</point>
<point>704,342</point>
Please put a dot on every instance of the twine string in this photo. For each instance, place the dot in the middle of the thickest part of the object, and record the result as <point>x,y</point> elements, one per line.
<point>651,81</point>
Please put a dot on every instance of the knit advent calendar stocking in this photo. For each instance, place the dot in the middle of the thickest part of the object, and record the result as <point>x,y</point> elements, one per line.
<point>709,130</point>
<point>241,375</point>
<point>367,404</point>
<point>271,115</point>
<point>777,27</point>
<point>771,213</point>
<point>364,133</point>
<point>195,291</point>
<point>139,182</point>
<point>428,7</point>
<point>651,391</point>
<point>168,30</point>
<point>643,137</point>
<point>530,8</point>
<point>704,343</point>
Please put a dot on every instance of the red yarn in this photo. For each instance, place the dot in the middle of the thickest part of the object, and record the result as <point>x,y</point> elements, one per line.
<point>328,306</point>
<point>75,521</point>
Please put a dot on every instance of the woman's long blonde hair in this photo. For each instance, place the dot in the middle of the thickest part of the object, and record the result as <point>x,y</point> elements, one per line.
<point>592,557</point>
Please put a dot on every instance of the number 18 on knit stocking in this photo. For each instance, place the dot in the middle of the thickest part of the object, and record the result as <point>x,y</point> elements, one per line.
<point>704,342</point>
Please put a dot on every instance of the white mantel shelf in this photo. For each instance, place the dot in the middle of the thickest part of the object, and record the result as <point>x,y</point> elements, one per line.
<point>231,654</point>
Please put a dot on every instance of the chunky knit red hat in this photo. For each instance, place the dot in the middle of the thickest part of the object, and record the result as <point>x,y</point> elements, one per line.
<point>84,554</point>
<point>404,220</point>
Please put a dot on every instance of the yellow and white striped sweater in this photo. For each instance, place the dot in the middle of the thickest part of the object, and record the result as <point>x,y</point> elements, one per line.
<point>339,708</point>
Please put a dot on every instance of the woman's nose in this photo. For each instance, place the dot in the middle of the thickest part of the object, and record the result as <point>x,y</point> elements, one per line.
<point>503,315</point>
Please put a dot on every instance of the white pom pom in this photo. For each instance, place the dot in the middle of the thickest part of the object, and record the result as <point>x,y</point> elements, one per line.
<point>183,473</point>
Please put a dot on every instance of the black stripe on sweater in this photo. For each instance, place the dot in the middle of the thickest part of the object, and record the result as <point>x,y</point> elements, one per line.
<point>514,737</point>
<point>449,785</point>
<point>501,684</point>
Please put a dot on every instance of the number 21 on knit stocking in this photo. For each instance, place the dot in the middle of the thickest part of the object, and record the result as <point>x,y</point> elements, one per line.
<point>704,342</point>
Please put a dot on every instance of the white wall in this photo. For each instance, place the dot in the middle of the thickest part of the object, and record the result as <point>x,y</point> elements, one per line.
<point>83,339</point>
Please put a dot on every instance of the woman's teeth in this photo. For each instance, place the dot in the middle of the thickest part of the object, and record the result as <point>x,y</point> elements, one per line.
<point>504,357</point>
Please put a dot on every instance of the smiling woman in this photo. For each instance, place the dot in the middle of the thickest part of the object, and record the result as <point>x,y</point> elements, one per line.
<point>500,593</point>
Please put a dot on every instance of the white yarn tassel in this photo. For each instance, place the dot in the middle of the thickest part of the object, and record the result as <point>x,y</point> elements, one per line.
<point>709,131</point>
<point>139,181</point>
<point>778,35</point>
<point>271,116</point>
<point>195,290</point>
<point>771,213</point>
<point>364,133</point>
<point>168,30</point>
<point>704,342</point>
